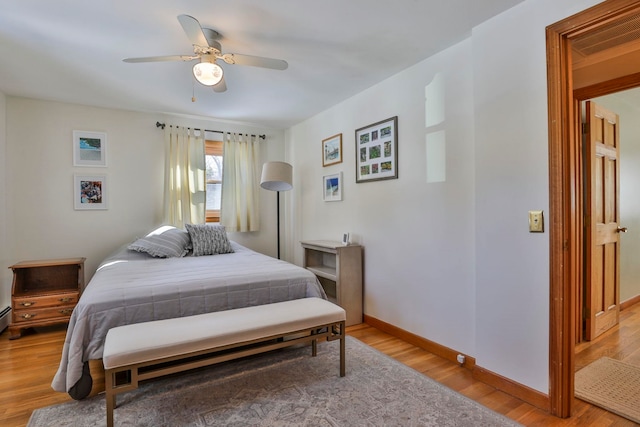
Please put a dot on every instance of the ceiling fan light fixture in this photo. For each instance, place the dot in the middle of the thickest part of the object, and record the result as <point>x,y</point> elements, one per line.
<point>207,73</point>
<point>207,47</point>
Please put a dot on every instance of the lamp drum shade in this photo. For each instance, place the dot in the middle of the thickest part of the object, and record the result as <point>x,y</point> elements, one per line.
<point>277,176</point>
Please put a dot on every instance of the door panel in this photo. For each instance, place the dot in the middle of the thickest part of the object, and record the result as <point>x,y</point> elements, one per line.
<point>602,155</point>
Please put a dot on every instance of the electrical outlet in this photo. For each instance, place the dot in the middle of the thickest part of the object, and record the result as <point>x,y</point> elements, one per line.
<point>536,222</point>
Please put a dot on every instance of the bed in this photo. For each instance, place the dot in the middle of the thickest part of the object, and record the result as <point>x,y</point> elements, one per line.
<point>133,287</point>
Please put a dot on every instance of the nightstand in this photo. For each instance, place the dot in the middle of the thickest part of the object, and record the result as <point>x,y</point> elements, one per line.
<point>339,271</point>
<point>44,292</point>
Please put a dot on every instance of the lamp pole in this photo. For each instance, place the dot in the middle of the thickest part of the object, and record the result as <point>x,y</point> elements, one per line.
<point>278,215</point>
<point>277,176</point>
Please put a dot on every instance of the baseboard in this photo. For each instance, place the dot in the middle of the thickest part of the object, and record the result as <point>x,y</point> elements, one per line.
<point>5,318</point>
<point>513,388</point>
<point>418,341</point>
<point>628,303</point>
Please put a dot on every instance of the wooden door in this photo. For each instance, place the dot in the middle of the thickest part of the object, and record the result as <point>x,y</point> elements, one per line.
<point>602,219</point>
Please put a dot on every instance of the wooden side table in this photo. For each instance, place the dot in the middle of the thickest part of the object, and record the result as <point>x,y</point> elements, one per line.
<point>44,292</point>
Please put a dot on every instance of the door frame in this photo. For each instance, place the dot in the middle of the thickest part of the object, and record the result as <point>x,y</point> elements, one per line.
<point>566,189</point>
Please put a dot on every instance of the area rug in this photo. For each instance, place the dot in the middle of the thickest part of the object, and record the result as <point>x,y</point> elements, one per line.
<point>286,388</point>
<point>612,385</point>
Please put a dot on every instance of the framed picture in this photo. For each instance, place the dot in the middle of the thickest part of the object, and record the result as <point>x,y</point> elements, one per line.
<point>90,192</point>
<point>332,187</point>
<point>377,151</point>
<point>332,150</point>
<point>89,148</point>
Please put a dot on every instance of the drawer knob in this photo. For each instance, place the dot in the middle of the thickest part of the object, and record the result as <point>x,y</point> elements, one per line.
<point>28,316</point>
<point>66,311</point>
<point>66,299</point>
<point>27,303</point>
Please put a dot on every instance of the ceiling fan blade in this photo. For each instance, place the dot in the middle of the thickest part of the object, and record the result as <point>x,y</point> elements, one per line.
<point>255,61</point>
<point>221,86</point>
<point>192,27</point>
<point>162,58</point>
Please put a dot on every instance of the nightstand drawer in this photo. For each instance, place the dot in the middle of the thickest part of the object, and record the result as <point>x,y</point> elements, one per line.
<point>42,301</point>
<point>26,315</point>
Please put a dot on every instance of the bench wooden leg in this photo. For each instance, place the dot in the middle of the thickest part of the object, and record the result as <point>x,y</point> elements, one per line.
<point>110,406</point>
<point>110,397</point>
<point>342,351</point>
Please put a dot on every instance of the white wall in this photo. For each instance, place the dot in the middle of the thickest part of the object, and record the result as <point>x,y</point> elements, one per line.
<point>511,178</point>
<point>5,274</point>
<point>512,273</point>
<point>41,221</point>
<point>417,236</point>
<point>453,261</point>
<point>628,110</point>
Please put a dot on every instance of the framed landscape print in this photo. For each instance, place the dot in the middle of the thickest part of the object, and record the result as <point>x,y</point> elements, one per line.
<point>332,187</point>
<point>332,150</point>
<point>90,192</point>
<point>377,151</point>
<point>89,148</point>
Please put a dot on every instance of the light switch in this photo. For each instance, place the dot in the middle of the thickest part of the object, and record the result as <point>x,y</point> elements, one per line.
<point>536,222</point>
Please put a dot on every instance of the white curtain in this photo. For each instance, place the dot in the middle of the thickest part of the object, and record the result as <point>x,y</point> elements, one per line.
<point>185,180</point>
<point>239,208</point>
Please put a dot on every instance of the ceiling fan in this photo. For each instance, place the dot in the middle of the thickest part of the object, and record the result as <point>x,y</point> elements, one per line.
<point>207,49</point>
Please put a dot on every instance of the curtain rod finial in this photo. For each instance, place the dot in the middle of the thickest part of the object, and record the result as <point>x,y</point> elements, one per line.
<point>160,125</point>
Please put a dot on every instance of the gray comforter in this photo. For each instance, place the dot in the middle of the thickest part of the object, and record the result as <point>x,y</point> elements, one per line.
<point>130,287</point>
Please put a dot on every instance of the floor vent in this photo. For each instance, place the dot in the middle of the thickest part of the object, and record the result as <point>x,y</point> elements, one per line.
<point>5,318</point>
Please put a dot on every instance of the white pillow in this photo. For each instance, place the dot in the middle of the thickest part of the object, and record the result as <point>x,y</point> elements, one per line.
<point>164,242</point>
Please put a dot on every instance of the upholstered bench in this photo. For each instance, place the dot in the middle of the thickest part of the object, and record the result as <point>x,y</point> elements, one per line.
<point>147,350</point>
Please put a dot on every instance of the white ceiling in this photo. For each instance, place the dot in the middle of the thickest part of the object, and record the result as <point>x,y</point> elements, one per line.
<point>72,51</point>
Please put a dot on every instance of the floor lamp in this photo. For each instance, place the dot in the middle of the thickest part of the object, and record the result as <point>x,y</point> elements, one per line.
<point>277,176</point>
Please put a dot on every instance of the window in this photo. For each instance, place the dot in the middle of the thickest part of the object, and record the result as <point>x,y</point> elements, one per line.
<point>213,160</point>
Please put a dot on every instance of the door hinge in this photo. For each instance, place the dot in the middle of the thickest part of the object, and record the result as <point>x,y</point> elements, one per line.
<point>584,128</point>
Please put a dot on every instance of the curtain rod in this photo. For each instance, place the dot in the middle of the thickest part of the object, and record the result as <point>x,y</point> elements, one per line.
<point>162,125</point>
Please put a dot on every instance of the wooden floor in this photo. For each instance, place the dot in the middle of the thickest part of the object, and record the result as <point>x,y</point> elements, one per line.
<point>28,364</point>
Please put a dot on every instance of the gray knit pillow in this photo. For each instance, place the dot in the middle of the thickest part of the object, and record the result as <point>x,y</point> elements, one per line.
<point>165,242</point>
<point>208,239</point>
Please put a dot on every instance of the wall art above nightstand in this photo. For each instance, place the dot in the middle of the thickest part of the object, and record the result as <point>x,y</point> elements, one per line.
<point>89,148</point>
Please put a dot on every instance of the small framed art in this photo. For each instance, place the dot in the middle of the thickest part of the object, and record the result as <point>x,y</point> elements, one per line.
<point>332,150</point>
<point>377,151</point>
<point>90,192</point>
<point>89,148</point>
<point>332,187</point>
